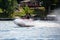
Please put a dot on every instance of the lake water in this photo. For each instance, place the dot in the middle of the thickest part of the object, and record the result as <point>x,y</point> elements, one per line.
<point>11,31</point>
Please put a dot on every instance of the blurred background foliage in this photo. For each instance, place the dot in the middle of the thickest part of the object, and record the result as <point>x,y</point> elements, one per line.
<point>10,8</point>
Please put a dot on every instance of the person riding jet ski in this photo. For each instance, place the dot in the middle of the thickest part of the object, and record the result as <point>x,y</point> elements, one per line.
<point>23,21</point>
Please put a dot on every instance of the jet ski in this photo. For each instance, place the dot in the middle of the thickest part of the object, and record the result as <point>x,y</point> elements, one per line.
<point>23,22</point>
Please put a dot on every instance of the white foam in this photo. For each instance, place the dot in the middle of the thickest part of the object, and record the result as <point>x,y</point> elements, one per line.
<point>37,23</point>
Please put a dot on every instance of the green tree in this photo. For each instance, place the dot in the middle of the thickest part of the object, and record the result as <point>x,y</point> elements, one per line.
<point>26,8</point>
<point>8,7</point>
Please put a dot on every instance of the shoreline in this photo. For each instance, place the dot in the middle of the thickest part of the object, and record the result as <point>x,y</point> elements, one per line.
<point>6,19</point>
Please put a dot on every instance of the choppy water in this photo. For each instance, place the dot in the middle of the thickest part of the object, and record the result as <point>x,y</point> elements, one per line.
<point>10,31</point>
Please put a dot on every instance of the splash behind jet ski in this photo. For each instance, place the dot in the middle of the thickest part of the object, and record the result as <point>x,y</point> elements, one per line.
<point>34,23</point>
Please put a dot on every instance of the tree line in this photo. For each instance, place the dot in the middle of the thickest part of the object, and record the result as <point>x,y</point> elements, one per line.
<point>9,6</point>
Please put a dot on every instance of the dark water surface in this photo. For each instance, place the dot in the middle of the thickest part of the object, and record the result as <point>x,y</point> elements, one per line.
<point>10,31</point>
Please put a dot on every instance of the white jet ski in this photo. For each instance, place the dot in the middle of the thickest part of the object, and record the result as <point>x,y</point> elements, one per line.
<point>23,22</point>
